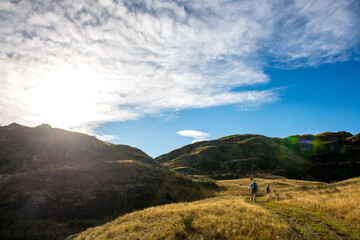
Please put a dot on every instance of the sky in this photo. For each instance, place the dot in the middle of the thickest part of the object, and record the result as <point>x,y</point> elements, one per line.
<point>158,75</point>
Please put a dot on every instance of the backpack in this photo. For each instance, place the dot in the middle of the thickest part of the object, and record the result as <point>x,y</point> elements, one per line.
<point>254,186</point>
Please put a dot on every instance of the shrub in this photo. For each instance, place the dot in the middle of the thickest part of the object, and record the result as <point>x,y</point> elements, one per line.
<point>187,221</point>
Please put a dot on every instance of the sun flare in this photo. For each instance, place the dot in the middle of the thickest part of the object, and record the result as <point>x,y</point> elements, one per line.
<point>64,96</point>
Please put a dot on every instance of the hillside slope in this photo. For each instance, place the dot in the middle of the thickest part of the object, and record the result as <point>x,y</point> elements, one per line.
<point>57,175</point>
<point>290,212</point>
<point>315,157</point>
<point>25,148</point>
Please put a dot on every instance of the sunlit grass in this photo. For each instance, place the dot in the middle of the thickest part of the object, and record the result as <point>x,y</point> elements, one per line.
<point>340,201</point>
<point>228,216</point>
<point>216,218</point>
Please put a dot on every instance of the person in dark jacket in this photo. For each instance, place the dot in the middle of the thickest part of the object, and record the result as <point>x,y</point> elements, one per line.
<point>253,190</point>
<point>267,189</point>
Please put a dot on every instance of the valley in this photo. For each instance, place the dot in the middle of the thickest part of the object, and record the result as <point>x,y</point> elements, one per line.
<point>57,184</point>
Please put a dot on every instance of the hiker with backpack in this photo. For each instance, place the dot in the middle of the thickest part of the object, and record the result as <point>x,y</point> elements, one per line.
<point>253,190</point>
<point>267,189</point>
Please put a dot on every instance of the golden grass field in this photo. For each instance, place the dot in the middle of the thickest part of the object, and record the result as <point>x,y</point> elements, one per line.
<point>294,209</point>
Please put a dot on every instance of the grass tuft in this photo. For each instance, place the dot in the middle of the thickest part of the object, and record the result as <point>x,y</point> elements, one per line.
<point>187,221</point>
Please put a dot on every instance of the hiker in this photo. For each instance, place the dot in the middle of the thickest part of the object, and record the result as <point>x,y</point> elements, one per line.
<point>267,189</point>
<point>253,190</point>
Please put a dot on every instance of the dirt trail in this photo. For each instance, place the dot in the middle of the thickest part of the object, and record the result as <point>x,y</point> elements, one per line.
<point>309,226</point>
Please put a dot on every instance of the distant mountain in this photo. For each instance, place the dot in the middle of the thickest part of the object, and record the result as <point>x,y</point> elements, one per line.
<point>325,157</point>
<point>57,176</point>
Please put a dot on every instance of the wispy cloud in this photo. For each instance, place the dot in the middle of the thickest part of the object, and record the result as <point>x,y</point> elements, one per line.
<point>79,64</point>
<point>106,137</point>
<point>197,135</point>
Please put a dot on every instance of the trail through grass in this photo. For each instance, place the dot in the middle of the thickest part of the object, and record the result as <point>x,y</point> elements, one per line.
<point>307,224</point>
<point>294,210</point>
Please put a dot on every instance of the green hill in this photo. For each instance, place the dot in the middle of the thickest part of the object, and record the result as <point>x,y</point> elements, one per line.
<point>55,182</point>
<point>313,157</point>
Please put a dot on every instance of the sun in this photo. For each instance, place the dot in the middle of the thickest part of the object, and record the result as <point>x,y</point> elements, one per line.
<point>64,96</point>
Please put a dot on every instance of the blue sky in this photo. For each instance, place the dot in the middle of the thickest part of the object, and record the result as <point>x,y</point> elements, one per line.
<point>159,74</point>
<point>313,100</point>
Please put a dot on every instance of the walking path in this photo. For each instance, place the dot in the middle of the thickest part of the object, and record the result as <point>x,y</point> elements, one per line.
<point>306,225</point>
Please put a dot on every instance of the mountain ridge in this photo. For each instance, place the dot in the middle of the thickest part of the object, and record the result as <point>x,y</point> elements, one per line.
<point>46,145</point>
<point>297,156</point>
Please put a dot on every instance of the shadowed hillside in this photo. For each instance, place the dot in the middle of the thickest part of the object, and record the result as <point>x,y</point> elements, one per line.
<point>315,157</point>
<point>24,148</point>
<point>73,181</point>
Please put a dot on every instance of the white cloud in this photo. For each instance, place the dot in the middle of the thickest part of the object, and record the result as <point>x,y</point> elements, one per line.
<point>197,135</point>
<point>78,64</point>
<point>106,137</point>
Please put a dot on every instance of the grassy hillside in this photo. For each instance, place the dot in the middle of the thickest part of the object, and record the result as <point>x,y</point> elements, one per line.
<point>24,148</point>
<point>54,182</point>
<point>312,157</point>
<point>220,218</point>
<point>294,210</point>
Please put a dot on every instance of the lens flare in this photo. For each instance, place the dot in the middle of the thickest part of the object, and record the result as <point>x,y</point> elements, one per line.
<point>311,142</point>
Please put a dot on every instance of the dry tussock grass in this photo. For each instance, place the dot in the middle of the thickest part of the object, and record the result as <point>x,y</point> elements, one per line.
<point>216,218</point>
<point>240,187</point>
<point>340,201</point>
<point>228,216</point>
